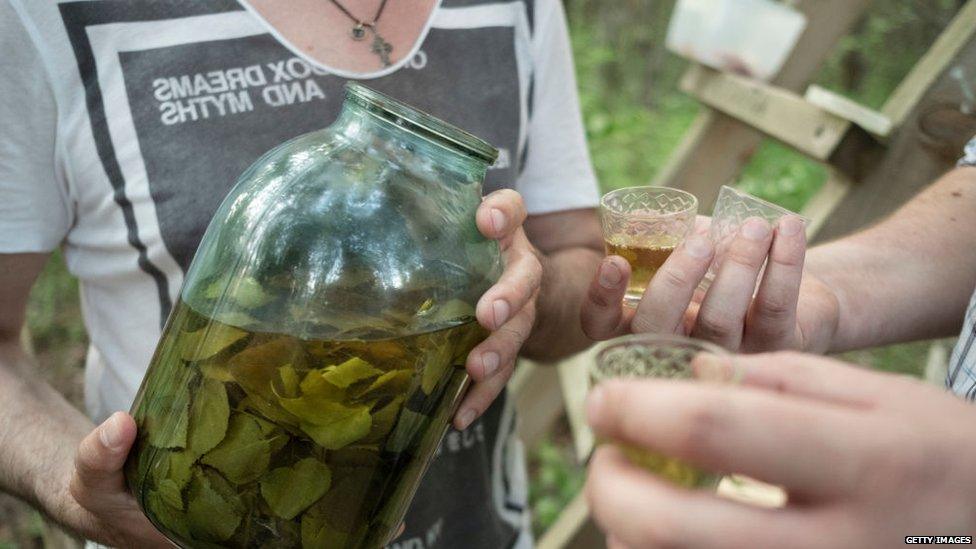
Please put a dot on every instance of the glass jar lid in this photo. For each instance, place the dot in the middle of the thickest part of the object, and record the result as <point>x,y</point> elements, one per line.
<point>421,123</point>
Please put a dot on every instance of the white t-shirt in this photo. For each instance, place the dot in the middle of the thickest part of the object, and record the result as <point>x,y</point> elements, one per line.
<point>124,123</point>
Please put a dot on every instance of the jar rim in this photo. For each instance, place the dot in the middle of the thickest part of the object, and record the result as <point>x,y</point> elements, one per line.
<point>420,122</point>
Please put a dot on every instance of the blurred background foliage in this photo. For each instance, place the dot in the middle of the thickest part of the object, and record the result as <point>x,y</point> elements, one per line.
<point>635,117</point>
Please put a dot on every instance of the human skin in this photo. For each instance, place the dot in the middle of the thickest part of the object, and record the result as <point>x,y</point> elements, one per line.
<point>908,277</point>
<point>866,458</point>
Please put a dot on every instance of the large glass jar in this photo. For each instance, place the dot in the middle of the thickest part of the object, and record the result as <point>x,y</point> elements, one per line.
<point>310,368</point>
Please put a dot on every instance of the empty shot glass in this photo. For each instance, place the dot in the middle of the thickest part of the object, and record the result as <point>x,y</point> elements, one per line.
<point>644,225</point>
<point>732,209</point>
<point>662,356</point>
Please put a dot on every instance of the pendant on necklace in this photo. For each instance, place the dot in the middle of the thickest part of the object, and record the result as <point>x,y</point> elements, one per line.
<point>359,32</point>
<point>382,48</point>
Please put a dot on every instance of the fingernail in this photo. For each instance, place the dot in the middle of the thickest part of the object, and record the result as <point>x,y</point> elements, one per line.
<point>489,362</point>
<point>500,309</point>
<point>497,220</point>
<point>755,229</point>
<point>110,433</point>
<point>610,275</point>
<point>790,225</point>
<point>594,404</point>
<point>467,417</point>
<point>698,247</point>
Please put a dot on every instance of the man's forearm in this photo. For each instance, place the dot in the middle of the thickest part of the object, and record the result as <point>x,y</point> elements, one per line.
<point>911,275</point>
<point>566,275</point>
<point>39,431</point>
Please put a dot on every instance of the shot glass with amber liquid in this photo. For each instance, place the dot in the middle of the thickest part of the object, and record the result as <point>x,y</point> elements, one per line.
<point>644,225</point>
<point>660,356</point>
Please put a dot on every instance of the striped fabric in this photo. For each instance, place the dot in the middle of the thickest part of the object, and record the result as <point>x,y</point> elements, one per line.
<point>961,377</point>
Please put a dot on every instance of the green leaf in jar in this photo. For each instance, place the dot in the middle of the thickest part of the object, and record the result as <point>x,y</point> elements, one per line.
<point>211,516</point>
<point>206,342</point>
<point>355,456</point>
<point>332,425</point>
<point>169,429</point>
<point>172,465</point>
<point>349,372</point>
<point>343,507</point>
<point>436,369</point>
<point>236,318</point>
<point>216,371</point>
<point>290,490</point>
<point>259,407</point>
<point>384,419</point>
<point>244,292</point>
<point>168,517</point>
<point>317,534</point>
<point>390,383</point>
<point>208,416</point>
<point>255,367</point>
<point>171,492</point>
<point>453,310</point>
<point>408,426</point>
<point>243,455</point>
<point>277,437</point>
<point>289,380</point>
<point>316,386</point>
<point>248,294</point>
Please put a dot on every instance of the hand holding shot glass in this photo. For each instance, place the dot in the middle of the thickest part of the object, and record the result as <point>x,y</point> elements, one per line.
<point>650,356</point>
<point>644,225</point>
<point>732,209</point>
<point>736,283</point>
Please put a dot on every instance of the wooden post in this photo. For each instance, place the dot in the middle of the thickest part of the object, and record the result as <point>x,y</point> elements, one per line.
<point>915,159</point>
<point>717,146</point>
<point>538,399</point>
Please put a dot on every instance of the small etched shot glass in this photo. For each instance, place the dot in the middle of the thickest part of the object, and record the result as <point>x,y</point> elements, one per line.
<point>732,209</point>
<point>644,225</point>
<point>662,356</point>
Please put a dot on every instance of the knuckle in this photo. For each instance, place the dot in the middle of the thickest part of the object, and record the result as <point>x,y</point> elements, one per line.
<point>791,259</point>
<point>532,279</point>
<point>642,324</point>
<point>717,325</point>
<point>745,255</point>
<point>703,423</point>
<point>675,278</point>
<point>514,336</point>
<point>775,308</point>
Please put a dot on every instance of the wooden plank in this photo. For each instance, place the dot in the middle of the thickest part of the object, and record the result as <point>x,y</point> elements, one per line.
<point>914,158</point>
<point>932,65</point>
<point>573,529</point>
<point>574,378</point>
<point>538,400</point>
<point>937,363</point>
<point>777,112</point>
<point>716,147</point>
<point>868,119</point>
